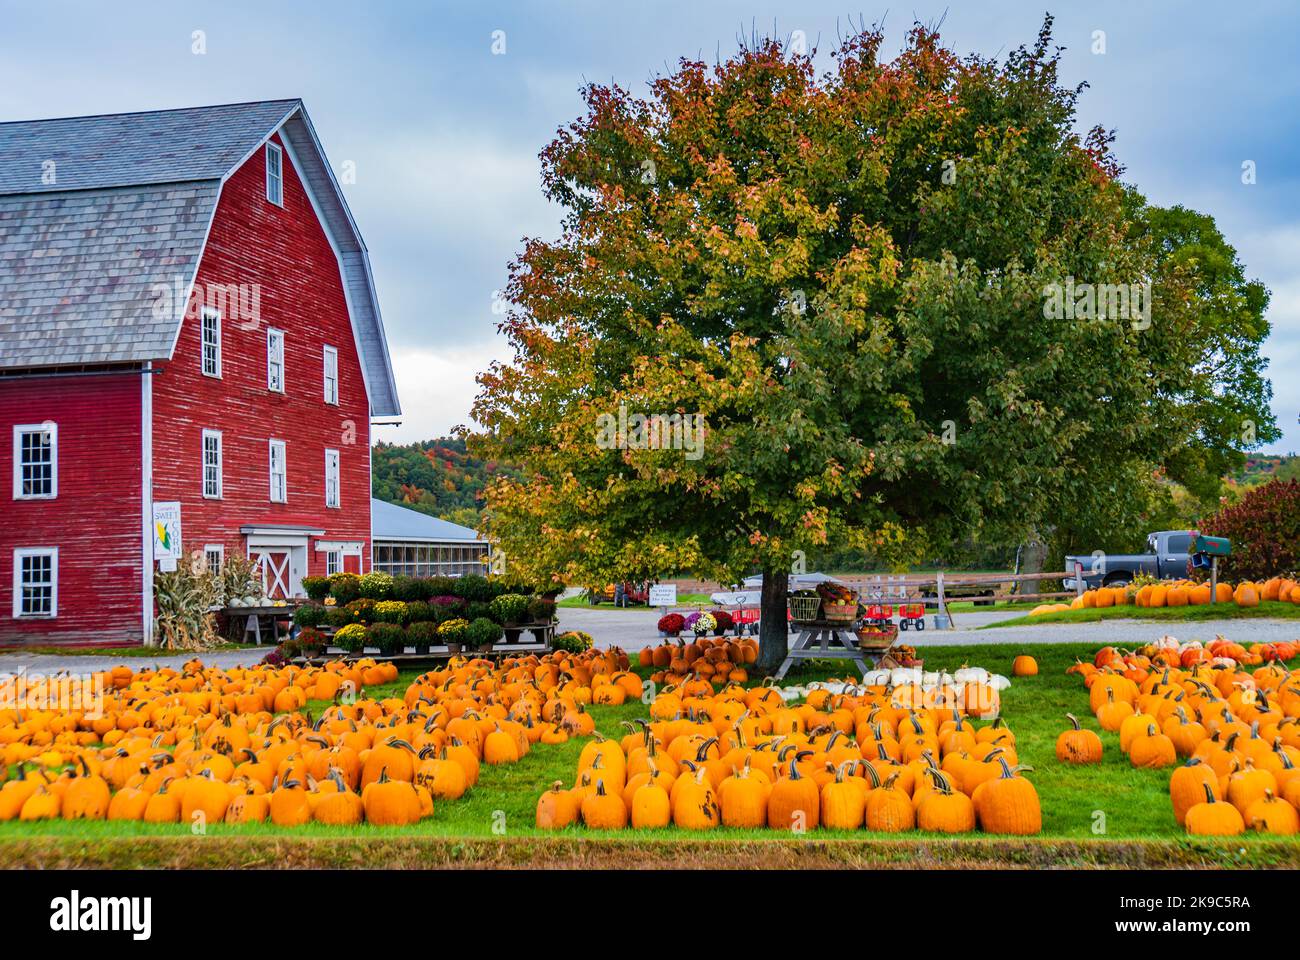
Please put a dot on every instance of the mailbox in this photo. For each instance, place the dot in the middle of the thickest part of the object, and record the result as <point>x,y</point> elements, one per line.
<point>1211,546</point>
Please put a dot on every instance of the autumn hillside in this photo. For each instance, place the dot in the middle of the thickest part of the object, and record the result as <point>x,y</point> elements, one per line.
<point>437,477</point>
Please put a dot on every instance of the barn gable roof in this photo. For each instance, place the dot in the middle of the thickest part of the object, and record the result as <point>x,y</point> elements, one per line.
<point>96,212</point>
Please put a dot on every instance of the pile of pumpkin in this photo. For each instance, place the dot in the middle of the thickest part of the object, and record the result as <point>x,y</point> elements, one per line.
<point>1236,731</point>
<point>719,660</point>
<point>885,758</point>
<point>237,745</point>
<point>1179,593</point>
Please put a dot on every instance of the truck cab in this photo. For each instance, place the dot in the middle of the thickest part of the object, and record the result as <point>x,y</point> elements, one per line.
<point>1166,556</point>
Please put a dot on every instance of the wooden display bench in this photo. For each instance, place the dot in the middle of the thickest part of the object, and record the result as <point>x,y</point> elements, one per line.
<point>825,640</point>
<point>542,633</point>
<point>253,617</point>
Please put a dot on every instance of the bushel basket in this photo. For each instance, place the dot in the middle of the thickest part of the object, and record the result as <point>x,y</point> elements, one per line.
<point>840,612</point>
<point>804,609</point>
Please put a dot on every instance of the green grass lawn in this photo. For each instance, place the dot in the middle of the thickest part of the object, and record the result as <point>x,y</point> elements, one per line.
<point>1188,614</point>
<point>683,599</point>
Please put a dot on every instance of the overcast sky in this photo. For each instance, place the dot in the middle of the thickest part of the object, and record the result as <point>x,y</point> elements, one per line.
<point>445,133</point>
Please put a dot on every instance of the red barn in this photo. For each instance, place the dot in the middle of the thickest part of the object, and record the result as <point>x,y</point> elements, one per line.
<point>188,325</point>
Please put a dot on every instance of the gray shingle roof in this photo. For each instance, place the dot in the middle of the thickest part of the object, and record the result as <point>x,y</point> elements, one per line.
<point>113,150</point>
<point>390,521</point>
<point>96,211</point>
<point>78,271</point>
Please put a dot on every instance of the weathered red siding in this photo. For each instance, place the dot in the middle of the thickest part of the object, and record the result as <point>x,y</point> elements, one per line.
<point>96,519</point>
<point>285,252</point>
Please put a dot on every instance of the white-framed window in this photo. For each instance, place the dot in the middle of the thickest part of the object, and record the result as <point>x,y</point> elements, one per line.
<point>210,335</point>
<point>36,582</point>
<point>331,478</point>
<point>212,471</point>
<point>275,174</point>
<point>279,473</point>
<point>275,360</point>
<point>333,562</point>
<point>36,461</point>
<point>331,375</point>
<point>214,555</point>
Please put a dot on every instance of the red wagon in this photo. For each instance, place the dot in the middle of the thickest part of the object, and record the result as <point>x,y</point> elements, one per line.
<point>879,614</point>
<point>912,614</point>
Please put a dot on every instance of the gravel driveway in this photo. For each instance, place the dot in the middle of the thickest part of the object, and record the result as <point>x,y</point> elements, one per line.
<point>634,628</point>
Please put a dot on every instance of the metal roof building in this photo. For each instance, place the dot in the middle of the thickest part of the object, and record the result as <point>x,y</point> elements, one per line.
<point>408,543</point>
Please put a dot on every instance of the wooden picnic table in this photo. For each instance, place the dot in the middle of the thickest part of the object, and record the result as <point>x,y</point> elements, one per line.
<point>824,640</point>
<point>253,619</point>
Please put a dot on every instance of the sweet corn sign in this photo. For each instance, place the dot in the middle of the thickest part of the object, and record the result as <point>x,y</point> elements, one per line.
<point>167,533</point>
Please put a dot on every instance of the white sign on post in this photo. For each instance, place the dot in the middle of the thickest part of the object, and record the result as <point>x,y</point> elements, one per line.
<point>663,595</point>
<point>167,533</point>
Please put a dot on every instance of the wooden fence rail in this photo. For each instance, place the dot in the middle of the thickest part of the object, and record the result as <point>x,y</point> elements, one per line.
<point>909,587</point>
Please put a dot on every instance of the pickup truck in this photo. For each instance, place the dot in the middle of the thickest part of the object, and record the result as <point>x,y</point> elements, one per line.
<point>1166,556</point>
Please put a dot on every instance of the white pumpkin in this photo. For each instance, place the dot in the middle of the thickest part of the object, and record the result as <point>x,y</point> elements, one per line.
<point>998,682</point>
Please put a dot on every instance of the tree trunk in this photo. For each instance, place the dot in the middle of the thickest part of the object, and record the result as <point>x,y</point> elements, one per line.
<point>1033,554</point>
<point>773,630</point>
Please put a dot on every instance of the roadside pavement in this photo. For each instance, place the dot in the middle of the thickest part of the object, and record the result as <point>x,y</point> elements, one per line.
<point>634,628</point>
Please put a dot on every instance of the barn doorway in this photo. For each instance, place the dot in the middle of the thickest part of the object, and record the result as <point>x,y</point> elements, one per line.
<point>281,558</point>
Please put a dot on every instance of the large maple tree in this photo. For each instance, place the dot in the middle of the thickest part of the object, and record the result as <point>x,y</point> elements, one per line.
<point>844,275</point>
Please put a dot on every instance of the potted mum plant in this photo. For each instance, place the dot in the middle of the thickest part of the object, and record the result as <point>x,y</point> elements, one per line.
<point>541,610</point>
<point>344,588</point>
<point>510,610</point>
<point>452,633</point>
<point>311,642</point>
<point>390,638</point>
<point>724,622</point>
<point>422,634</point>
<point>704,625</point>
<point>671,625</point>
<point>572,641</point>
<point>316,588</point>
<point>351,638</point>
<point>483,634</point>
